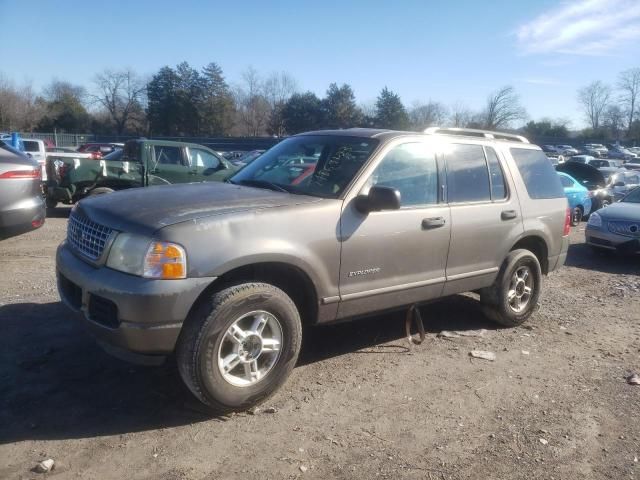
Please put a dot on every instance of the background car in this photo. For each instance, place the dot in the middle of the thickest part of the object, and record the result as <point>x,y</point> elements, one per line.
<point>601,163</point>
<point>21,203</point>
<point>618,185</point>
<point>617,151</point>
<point>595,149</point>
<point>581,158</point>
<point>247,158</point>
<point>579,197</point>
<point>616,227</point>
<point>567,150</point>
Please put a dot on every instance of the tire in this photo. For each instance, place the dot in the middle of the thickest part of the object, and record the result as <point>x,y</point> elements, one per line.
<point>496,299</point>
<point>205,341</point>
<point>51,203</point>
<point>100,191</point>
<point>576,216</point>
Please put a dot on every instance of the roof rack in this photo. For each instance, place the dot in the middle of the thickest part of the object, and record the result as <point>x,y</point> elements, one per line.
<point>471,132</point>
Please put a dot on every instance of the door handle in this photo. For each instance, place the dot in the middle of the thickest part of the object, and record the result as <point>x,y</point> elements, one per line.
<point>508,214</point>
<point>434,222</point>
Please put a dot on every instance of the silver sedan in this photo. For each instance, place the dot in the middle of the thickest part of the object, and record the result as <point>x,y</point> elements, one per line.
<point>617,227</point>
<point>21,204</point>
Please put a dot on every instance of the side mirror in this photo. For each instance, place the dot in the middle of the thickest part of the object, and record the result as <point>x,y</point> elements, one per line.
<point>379,198</point>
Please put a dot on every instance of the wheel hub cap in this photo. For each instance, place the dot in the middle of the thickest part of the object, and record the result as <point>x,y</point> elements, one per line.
<point>250,348</point>
<point>520,289</point>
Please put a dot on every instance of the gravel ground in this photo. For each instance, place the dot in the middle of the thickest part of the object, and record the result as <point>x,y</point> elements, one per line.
<point>360,404</point>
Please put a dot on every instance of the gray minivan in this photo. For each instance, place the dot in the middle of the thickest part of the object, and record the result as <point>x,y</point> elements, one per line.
<point>325,226</point>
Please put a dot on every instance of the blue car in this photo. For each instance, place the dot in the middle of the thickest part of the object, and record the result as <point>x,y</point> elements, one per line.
<point>579,198</point>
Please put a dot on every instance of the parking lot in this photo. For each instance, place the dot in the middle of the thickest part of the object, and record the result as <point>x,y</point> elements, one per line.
<point>361,403</point>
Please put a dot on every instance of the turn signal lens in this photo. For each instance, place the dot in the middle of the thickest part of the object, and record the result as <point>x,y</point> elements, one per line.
<point>567,223</point>
<point>165,260</point>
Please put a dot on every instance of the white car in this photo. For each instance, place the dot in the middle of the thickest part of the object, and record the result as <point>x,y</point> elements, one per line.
<point>37,150</point>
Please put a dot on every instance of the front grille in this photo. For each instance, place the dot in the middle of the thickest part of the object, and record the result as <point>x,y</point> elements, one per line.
<point>103,311</point>
<point>72,293</point>
<point>628,229</point>
<point>87,237</point>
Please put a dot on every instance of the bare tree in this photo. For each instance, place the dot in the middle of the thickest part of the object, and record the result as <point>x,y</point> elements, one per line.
<point>614,118</point>
<point>120,93</point>
<point>629,85</point>
<point>252,107</point>
<point>427,115</point>
<point>594,99</point>
<point>502,109</point>
<point>277,89</point>
<point>460,115</point>
<point>20,108</point>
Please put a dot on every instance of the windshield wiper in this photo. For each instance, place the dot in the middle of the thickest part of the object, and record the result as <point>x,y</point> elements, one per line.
<point>262,184</point>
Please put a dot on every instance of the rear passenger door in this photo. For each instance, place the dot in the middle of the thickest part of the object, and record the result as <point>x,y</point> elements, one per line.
<point>169,164</point>
<point>485,215</point>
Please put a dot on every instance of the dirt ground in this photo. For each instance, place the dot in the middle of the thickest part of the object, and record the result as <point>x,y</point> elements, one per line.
<point>361,403</point>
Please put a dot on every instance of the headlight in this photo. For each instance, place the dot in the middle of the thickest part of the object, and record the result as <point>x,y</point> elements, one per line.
<point>140,256</point>
<point>595,220</point>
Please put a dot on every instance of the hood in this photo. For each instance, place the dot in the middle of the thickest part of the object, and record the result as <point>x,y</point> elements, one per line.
<point>621,211</point>
<point>145,210</point>
<point>585,174</point>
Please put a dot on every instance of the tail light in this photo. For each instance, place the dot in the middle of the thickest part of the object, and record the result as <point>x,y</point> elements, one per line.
<point>96,155</point>
<point>567,223</point>
<point>34,174</point>
<point>60,169</point>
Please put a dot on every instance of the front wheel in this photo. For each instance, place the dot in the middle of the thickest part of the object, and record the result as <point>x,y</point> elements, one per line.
<point>513,297</point>
<point>239,346</point>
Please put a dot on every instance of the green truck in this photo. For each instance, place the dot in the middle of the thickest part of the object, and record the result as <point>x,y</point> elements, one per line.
<point>141,163</point>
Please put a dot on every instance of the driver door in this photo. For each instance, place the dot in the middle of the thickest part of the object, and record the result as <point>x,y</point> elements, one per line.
<point>396,257</point>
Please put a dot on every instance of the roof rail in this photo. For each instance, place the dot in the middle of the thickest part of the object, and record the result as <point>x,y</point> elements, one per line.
<point>471,132</point>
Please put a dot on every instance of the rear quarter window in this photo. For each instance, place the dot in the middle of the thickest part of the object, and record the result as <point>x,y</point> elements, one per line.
<point>538,174</point>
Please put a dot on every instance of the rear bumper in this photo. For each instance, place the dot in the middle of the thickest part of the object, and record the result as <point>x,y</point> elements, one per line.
<point>22,214</point>
<point>131,314</point>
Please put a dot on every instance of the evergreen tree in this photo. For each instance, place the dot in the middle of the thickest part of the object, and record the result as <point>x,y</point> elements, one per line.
<point>218,106</point>
<point>163,108</point>
<point>302,112</point>
<point>340,107</point>
<point>390,113</point>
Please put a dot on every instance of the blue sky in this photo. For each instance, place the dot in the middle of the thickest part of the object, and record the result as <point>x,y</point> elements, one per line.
<point>445,51</point>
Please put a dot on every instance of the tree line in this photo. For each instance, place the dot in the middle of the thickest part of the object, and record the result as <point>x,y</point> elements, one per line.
<point>185,101</point>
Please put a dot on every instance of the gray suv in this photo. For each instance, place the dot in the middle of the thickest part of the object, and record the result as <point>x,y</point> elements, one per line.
<point>325,226</point>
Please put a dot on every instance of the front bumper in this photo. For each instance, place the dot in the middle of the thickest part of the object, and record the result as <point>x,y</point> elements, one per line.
<point>126,312</point>
<point>605,239</point>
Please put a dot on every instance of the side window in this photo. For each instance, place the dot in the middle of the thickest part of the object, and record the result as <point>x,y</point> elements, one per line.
<point>411,169</point>
<point>498,185</point>
<point>566,182</point>
<point>168,155</point>
<point>538,174</point>
<point>202,158</point>
<point>467,174</point>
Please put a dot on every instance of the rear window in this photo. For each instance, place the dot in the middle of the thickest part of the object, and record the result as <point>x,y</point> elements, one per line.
<point>538,174</point>
<point>30,146</point>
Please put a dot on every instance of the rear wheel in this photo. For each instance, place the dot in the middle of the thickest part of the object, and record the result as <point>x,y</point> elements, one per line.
<point>513,297</point>
<point>51,203</point>
<point>238,347</point>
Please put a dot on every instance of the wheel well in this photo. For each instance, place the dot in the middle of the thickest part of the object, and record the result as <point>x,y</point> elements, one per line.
<point>290,279</point>
<point>538,247</point>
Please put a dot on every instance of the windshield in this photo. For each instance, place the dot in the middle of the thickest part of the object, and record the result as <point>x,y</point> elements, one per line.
<point>318,165</point>
<point>632,197</point>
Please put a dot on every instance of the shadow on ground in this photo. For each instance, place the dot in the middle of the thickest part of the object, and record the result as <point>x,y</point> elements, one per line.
<point>582,256</point>
<point>56,383</point>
